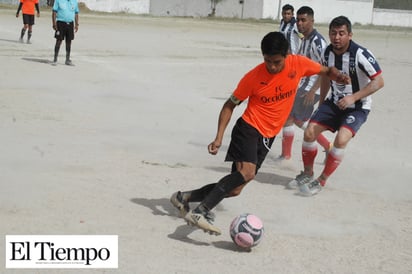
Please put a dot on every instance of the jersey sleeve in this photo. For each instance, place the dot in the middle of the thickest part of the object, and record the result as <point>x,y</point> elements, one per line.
<point>308,66</point>
<point>243,89</point>
<point>368,64</point>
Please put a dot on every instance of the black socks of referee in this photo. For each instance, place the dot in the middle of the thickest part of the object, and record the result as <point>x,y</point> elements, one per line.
<point>220,191</point>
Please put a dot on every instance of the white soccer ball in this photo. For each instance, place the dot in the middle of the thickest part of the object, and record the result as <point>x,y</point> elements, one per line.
<point>246,230</point>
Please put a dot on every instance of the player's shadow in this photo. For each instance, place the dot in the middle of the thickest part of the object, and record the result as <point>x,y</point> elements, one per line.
<point>11,41</point>
<point>37,60</point>
<point>160,207</point>
<point>163,207</point>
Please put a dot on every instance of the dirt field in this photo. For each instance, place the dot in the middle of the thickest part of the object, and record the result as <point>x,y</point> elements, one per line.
<point>98,148</point>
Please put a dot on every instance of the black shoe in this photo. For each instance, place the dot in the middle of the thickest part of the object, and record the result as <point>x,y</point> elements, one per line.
<point>69,63</point>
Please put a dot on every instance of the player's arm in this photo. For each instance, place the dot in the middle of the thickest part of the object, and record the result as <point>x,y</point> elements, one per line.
<point>334,74</point>
<point>54,15</point>
<point>324,88</point>
<point>18,9</point>
<point>76,22</point>
<point>373,86</point>
<point>224,118</point>
<point>37,9</point>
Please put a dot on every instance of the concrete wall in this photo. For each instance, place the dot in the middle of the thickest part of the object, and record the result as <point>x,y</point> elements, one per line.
<point>358,11</point>
<point>131,6</point>
<point>399,18</point>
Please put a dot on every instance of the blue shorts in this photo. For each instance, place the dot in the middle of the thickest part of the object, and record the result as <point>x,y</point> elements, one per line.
<point>332,117</point>
<point>248,145</point>
<point>300,111</point>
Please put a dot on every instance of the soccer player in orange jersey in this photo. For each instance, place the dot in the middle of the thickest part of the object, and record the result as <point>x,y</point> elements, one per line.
<point>27,7</point>
<point>270,89</point>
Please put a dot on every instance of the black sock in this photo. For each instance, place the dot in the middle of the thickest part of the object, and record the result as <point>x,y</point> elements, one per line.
<point>221,190</point>
<point>23,31</point>
<point>197,195</point>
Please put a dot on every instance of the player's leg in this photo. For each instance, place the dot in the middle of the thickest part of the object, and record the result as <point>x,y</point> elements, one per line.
<point>352,123</point>
<point>288,134</point>
<point>25,27</point>
<point>321,120</point>
<point>59,35</point>
<point>69,38</point>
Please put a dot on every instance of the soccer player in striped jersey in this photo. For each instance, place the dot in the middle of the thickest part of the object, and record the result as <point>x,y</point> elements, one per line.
<point>346,108</point>
<point>289,29</point>
<point>312,46</point>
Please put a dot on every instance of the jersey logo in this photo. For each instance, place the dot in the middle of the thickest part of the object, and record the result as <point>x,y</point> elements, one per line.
<point>292,74</point>
<point>351,119</point>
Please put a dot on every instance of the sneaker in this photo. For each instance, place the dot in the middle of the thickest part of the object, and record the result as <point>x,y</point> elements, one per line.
<point>28,42</point>
<point>178,202</point>
<point>300,179</point>
<point>202,221</point>
<point>69,63</point>
<point>311,188</point>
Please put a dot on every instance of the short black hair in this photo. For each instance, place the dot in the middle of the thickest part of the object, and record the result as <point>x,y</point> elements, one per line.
<point>341,21</point>
<point>305,10</point>
<point>288,7</point>
<point>274,43</point>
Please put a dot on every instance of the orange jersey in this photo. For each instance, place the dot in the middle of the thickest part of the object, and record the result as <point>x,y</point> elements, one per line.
<point>28,6</point>
<point>271,96</point>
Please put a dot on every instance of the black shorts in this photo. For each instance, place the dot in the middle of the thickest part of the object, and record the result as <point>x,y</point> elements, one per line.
<point>64,31</point>
<point>248,145</point>
<point>28,19</point>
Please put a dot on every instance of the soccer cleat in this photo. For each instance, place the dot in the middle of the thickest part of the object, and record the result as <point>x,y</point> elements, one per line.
<point>202,221</point>
<point>69,63</point>
<point>300,179</point>
<point>178,202</point>
<point>311,188</point>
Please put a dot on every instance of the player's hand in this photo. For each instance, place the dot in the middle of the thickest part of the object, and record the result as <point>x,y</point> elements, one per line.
<point>342,78</point>
<point>17,15</point>
<point>213,147</point>
<point>346,102</point>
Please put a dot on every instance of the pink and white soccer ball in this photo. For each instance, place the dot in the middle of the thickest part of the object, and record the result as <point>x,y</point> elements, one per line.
<point>246,230</point>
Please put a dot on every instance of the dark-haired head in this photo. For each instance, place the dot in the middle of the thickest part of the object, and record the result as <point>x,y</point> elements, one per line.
<point>274,43</point>
<point>341,21</point>
<point>287,7</point>
<point>305,10</point>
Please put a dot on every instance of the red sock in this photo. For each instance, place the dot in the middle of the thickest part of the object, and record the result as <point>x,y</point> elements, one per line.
<point>334,159</point>
<point>309,151</point>
<point>287,141</point>
<point>324,142</point>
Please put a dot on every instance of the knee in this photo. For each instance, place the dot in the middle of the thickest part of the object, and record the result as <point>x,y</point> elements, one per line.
<point>309,134</point>
<point>249,176</point>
